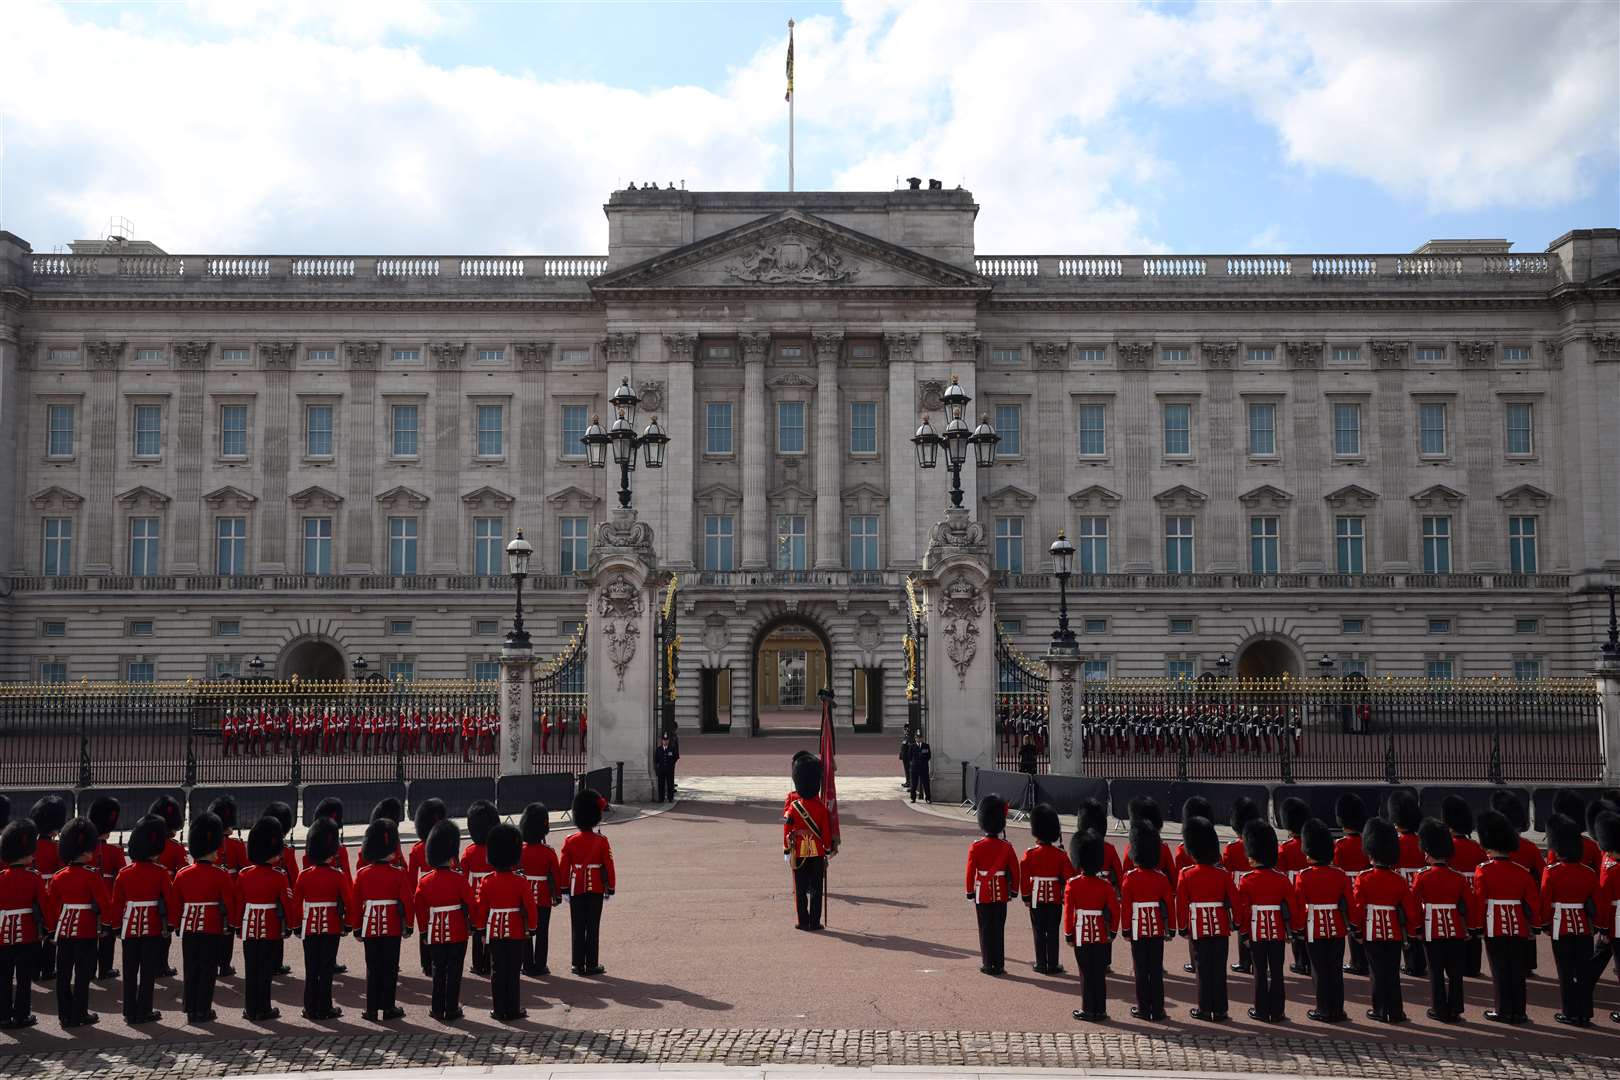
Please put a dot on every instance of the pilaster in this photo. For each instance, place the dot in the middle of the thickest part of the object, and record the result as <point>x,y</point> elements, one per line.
<point>756,453</point>
<point>103,464</point>
<point>1388,548</point>
<point>448,452</point>
<point>360,498</point>
<point>1312,443</point>
<point>533,460</point>
<point>905,407</point>
<point>680,467</point>
<point>188,525</point>
<point>829,453</point>
<point>276,357</point>
<point>1226,525</point>
<point>1135,435</point>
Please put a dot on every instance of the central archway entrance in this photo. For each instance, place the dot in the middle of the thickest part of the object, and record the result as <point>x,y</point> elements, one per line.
<point>313,659</point>
<point>792,659</point>
<point>1268,658</point>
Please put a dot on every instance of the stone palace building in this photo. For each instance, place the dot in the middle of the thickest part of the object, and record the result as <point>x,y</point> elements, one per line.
<point>1407,463</point>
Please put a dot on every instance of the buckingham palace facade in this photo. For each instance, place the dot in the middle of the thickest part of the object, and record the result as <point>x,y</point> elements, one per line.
<point>1409,464</point>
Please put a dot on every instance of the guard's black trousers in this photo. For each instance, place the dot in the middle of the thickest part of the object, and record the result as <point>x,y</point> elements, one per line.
<point>1147,959</point>
<point>382,972</point>
<point>1448,960</point>
<point>1415,963</point>
<point>585,918</point>
<point>1211,963</point>
<point>258,967</point>
<point>537,948</point>
<point>320,958</point>
<point>506,976</point>
<point>75,963</point>
<point>1508,973</point>
<point>1269,995</point>
<point>1047,922</point>
<point>1302,958</point>
<point>199,959</point>
<point>424,953</point>
<point>1092,960</point>
<point>1327,973</point>
<point>1384,967</point>
<point>227,949</point>
<point>809,877</point>
<point>143,962</point>
<point>105,948</point>
<point>992,934</point>
<point>1577,974</point>
<point>448,960</point>
<point>1358,957</point>
<point>480,955</point>
<point>16,989</point>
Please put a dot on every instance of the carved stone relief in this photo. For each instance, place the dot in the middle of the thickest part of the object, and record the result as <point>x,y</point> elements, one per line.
<point>362,354</point>
<point>1476,354</point>
<point>680,346</point>
<point>105,354</point>
<point>620,348</point>
<point>1135,355</point>
<point>960,609</point>
<point>793,260</point>
<point>1389,355</point>
<point>448,355</point>
<point>652,395</point>
<point>1051,355</point>
<point>931,394</point>
<point>193,354</point>
<point>902,348</point>
<point>533,354</point>
<point>1304,354</point>
<point>964,348</point>
<point>1219,355</point>
<point>620,609</point>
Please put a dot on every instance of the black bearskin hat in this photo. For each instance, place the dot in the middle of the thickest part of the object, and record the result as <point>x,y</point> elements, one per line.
<point>330,807</point>
<point>992,812</point>
<point>1144,808</point>
<point>168,808</point>
<point>429,812</point>
<point>1243,812</point>
<point>1092,815</point>
<point>1197,806</point>
<point>1044,824</point>
<point>49,814</point>
<point>18,840</point>
<point>481,817</point>
<point>389,809</point>
<point>1405,811</point>
<point>1564,838</point>
<point>1260,844</point>
<point>443,845</point>
<point>1317,841</point>
<point>79,838</point>
<point>1606,831</point>
<point>282,815</point>
<point>1350,812</point>
<point>1202,844</point>
<point>505,849</point>
<point>147,838</point>
<point>1086,852</point>
<point>224,808</point>
<point>807,776</point>
<point>1571,805</point>
<point>104,814</point>
<point>1381,842</point>
<point>1596,809</point>
<point>264,841</point>
<point>5,811</point>
<point>1511,807</point>
<point>535,823</point>
<point>206,837</point>
<point>1497,834</point>
<point>1292,814</point>
<point>1145,846</point>
<point>382,840</point>
<point>1435,839</point>
<point>322,841</point>
<point>1458,815</point>
<point>587,809</point>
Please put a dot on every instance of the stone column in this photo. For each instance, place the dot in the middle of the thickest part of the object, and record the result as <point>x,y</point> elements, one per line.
<point>188,524</point>
<point>1225,427</point>
<point>360,499</point>
<point>904,476</point>
<point>756,454</point>
<point>1064,723</point>
<point>621,650</point>
<point>532,459</point>
<point>1474,435</point>
<point>829,453</point>
<point>1388,546</point>
<point>1136,433</point>
<point>14,357</point>
<point>279,434</point>
<point>960,673</point>
<point>517,710</point>
<point>99,520</point>
<point>444,512</point>
<point>679,417</point>
<point>1312,450</point>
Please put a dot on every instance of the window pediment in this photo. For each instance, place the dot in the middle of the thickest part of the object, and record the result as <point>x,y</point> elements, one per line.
<point>317,497</point>
<point>1438,496</point>
<point>1525,497</point>
<point>229,495</point>
<point>790,379</point>
<point>1352,497</point>
<point>1181,497</point>
<point>487,498</point>
<point>1266,497</point>
<point>864,499</point>
<point>1010,497</point>
<point>56,498</point>
<point>401,497</point>
<point>719,499</point>
<point>792,498</point>
<point>573,500</point>
<point>143,498</point>
<point>1094,497</point>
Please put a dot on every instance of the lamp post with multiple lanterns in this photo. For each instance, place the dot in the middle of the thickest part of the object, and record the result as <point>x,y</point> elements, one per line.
<point>955,440</point>
<point>623,439</point>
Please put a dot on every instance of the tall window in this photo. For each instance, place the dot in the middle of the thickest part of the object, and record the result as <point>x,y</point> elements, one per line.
<point>233,421</point>
<point>1093,435</point>
<point>1522,545</point>
<point>491,431</point>
<point>1010,545</point>
<point>488,548</point>
<point>1526,669</point>
<point>1264,558</point>
<point>1177,430</point>
<point>1180,668</point>
<point>405,430</point>
<point>1347,429</point>
<point>317,431</point>
<point>148,430</point>
<point>59,431</point>
<point>401,546</point>
<point>790,427</point>
<point>1521,429</point>
<point>401,670</point>
<point>1178,545</point>
<point>574,422</point>
<point>863,427</point>
<point>792,542</point>
<point>230,546</point>
<point>1432,429</point>
<point>57,558</point>
<point>1094,670</point>
<point>1010,426</point>
<point>143,546</point>
<point>317,545</point>
<point>717,425</point>
<point>719,543</point>
<point>486,670</point>
<point>1093,546</point>
<point>139,671</point>
<point>1439,669</point>
<point>574,540</point>
<point>1350,545</point>
<point>1437,545</point>
<point>863,542</point>
<point>53,671</point>
<point>1262,428</point>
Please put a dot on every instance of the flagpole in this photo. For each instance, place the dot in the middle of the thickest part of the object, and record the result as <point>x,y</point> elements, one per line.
<point>790,104</point>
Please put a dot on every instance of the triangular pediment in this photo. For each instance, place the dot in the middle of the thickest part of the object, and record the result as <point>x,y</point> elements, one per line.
<point>229,494</point>
<point>400,495</point>
<point>1438,495</point>
<point>143,496</point>
<point>789,250</point>
<point>1095,495</point>
<point>572,498</point>
<point>1351,495</point>
<point>1525,495</point>
<point>1265,496</point>
<point>314,495</point>
<point>1181,496</point>
<point>488,496</point>
<point>55,496</point>
<point>1010,497</point>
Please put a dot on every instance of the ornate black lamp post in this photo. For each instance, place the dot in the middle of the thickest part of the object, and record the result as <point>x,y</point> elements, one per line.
<point>623,439</point>
<point>955,439</point>
<point>1063,641</point>
<point>256,665</point>
<point>1611,647</point>
<point>359,665</point>
<point>1324,666</point>
<point>1223,666</point>
<point>518,552</point>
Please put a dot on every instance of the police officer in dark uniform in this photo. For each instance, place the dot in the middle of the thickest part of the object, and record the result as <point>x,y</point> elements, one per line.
<point>664,768</point>
<point>921,766</point>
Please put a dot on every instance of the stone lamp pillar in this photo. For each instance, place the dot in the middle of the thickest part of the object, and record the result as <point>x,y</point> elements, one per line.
<point>961,661</point>
<point>1063,673</point>
<point>622,650</point>
<point>517,709</point>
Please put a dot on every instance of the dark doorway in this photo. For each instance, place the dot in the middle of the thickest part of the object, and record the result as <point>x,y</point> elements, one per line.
<point>867,699</point>
<point>714,699</point>
<point>313,660</point>
<point>1268,658</point>
<point>792,659</point>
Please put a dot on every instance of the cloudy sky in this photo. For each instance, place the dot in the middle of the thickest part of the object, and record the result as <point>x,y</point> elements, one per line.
<point>404,126</point>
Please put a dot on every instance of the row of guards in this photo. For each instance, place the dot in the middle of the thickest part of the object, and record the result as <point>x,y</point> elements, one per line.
<point>472,730</point>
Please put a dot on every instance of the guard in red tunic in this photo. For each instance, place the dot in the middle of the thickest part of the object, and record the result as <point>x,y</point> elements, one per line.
<point>1324,897</point>
<point>444,904</point>
<point>1143,808</point>
<point>1147,917</point>
<point>991,882</point>
<point>232,859</point>
<point>268,916</point>
<point>1205,899</point>
<point>109,860</point>
<point>282,815</point>
<point>1444,901</point>
<point>429,812</point>
<point>1509,901</point>
<point>173,858</point>
<point>325,898</point>
<point>331,808</point>
<point>145,910</point>
<point>806,839</point>
<point>48,814</point>
<point>1043,872</point>
<point>77,905</point>
<point>1267,912</point>
<point>1090,921</point>
<point>586,864</point>
<point>481,818</point>
<point>1606,830</point>
<point>1292,815</point>
<point>210,909</point>
<point>1569,909</point>
<point>1198,806</point>
<point>1458,815</point>
<point>392,811</point>
<point>385,911</point>
<point>1351,814</point>
<point>1528,854</point>
<point>22,922</point>
<point>1094,816</point>
<point>1572,806</point>
<point>504,908</point>
<point>544,875</point>
<point>1236,862</point>
<point>1382,913</point>
<point>1404,810</point>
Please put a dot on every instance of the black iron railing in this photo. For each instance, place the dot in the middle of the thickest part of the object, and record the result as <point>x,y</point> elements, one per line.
<point>1022,731</point>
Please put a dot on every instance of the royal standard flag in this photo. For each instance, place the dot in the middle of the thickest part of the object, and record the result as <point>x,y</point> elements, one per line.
<point>789,95</point>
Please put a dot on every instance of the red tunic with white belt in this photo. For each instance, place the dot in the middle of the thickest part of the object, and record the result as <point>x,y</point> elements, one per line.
<point>1090,910</point>
<point>1445,902</point>
<point>1466,854</point>
<point>1042,873</point>
<point>144,901</point>
<point>1568,898</point>
<point>268,906</point>
<point>1506,898</point>
<point>1607,899</point>
<point>1235,857</point>
<point>1350,856</point>
<point>504,907</point>
<point>326,899</point>
<point>1324,894</point>
<point>1167,864</point>
<point>174,857</point>
<point>1412,859</point>
<point>586,863</point>
<point>77,903</point>
<point>444,905</point>
<point>1381,905</point>
<point>108,860</point>
<point>992,871</point>
<point>1147,905</point>
<point>1291,857</point>
<point>1267,907</point>
<point>209,901</point>
<point>22,906</point>
<point>543,873</point>
<point>385,902</point>
<point>1205,898</point>
<point>474,866</point>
